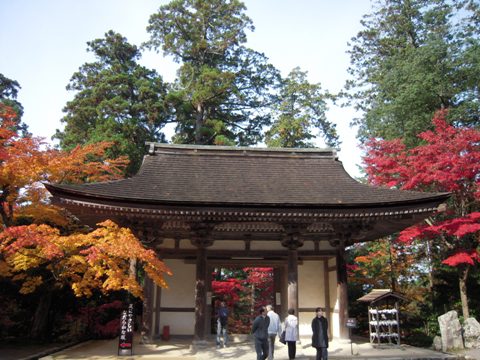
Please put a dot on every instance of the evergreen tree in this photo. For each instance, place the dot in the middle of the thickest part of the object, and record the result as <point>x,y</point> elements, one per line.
<point>116,100</point>
<point>300,112</point>
<point>223,89</point>
<point>8,97</point>
<point>414,57</point>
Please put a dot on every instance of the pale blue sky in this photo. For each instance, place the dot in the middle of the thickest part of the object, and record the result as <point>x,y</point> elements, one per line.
<point>43,42</point>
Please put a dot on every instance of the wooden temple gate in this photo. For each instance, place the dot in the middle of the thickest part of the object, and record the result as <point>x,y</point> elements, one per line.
<point>295,209</point>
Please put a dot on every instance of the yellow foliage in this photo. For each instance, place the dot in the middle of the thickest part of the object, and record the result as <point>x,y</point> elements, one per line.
<point>30,284</point>
<point>24,260</point>
<point>4,269</point>
<point>99,260</point>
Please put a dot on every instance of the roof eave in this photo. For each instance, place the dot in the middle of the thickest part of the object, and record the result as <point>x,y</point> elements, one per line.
<point>85,195</point>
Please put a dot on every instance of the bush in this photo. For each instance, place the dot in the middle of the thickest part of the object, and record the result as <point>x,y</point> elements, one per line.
<point>418,339</point>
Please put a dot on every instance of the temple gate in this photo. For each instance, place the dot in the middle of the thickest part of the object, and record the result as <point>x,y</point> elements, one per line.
<point>202,206</point>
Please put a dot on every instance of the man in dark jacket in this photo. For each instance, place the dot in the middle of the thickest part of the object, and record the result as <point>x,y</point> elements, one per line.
<point>320,334</point>
<point>260,333</point>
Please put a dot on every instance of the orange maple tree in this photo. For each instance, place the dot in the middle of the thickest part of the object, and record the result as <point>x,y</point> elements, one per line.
<point>37,246</point>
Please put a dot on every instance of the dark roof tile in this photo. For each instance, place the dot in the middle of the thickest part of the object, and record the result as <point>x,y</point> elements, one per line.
<point>249,176</point>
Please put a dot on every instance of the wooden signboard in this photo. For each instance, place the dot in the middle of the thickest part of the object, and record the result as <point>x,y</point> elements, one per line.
<point>125,340</point>
<point>351,323</point>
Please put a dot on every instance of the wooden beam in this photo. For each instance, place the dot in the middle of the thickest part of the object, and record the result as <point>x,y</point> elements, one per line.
<point>229,254</point>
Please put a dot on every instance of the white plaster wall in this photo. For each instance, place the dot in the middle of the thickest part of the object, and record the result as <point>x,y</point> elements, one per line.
<point>325,245</point>
<point>227,245</point>
<point>307,245</point>
<point>181,323</point>
<point>311,292</point>
<point>180,294</point>
<point>186,244</point>
<point>266,245</point>
<point>168,243</point>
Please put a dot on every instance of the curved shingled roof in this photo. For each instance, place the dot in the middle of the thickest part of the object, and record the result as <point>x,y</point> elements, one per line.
<point>236,176</point>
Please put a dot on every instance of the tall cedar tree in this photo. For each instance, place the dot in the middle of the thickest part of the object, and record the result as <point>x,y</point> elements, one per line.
<point>8,97</point>
<point>116,100</point>
<point>300,113</point>
<point>412,58</point>
<point>448,161</point>
<point>38,248</point>
<point>223,90</point>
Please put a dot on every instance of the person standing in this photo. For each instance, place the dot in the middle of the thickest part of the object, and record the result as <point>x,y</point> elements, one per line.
<point>222,322</point>
<point>260,333</point>
<point>320,334</point>
<point>274,329</point>
<point>291,333</point>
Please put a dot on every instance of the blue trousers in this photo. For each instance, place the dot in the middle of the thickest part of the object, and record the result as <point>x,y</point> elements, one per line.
<point>221,330</point>
<point>261,347</point>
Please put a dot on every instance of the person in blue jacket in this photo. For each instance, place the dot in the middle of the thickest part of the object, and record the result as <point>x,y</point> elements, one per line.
<point>222,322</point>
<point>260,333</point>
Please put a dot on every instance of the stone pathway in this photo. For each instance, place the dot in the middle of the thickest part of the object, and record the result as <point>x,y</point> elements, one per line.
<point>176,349</point>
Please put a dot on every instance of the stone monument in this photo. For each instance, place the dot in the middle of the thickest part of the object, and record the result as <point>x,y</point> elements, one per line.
<point>451,331</point>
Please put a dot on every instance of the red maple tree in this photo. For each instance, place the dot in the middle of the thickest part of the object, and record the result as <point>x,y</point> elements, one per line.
<point>244,291</point>
<point>447,161</point>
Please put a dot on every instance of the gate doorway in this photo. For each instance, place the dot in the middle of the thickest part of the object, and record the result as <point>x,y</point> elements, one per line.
<point>244,289</point>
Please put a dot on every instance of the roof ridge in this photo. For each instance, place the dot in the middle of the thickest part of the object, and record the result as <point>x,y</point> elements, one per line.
<point>161,148</point>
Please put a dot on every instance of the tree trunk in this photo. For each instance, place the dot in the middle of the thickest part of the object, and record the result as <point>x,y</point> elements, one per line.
<point>392,270</point>
<point>462,281</point>
<point>40,319</point>
<point>198,125</point>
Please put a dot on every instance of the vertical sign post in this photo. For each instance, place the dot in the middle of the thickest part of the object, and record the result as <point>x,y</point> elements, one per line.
<point>351,324</point>
<point>125,340</point>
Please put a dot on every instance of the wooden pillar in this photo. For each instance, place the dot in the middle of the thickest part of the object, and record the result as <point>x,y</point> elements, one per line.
<point>158,303</point>
<point>278,279</point>
<point>147,330</point>
<point>292,241</point>
<point>200,296</point>
<point>342,292</point>
<point>200,238</point>
<point>326,282</point>
<point>292,290</point>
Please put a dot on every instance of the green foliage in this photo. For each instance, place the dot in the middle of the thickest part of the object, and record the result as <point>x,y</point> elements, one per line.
<point>418,338</point>
<point>223,89</point>
<point>116,100</point>
<point>411,59</point>
<point>8,97</point>
<point>299,112</point>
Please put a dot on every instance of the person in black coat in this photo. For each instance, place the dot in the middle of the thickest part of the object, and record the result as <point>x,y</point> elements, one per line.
<point>320,334</point>
<point>260,332</point>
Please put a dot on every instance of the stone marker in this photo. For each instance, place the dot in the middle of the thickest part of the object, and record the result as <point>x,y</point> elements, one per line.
<point>437,343</point>
<point>471,328</point>
<point>451,331</point>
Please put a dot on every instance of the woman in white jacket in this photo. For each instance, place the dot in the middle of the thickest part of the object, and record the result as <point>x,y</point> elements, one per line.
<point>291,333</point>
